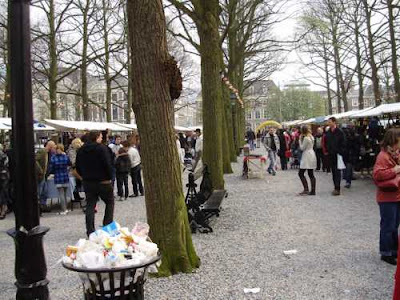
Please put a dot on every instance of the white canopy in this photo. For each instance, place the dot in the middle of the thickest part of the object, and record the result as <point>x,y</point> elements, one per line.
<point>181,128</point>
<point>380,110</point>
<point>85,125</point>
<point>348,114</point>
<point>308,121</point>
<point>292,123</point>
<point>130,126</point>
<point>6,124</point>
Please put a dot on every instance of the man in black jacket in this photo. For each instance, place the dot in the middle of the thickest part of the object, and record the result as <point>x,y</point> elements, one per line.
<point>336,144</point>
<point>93,163</point>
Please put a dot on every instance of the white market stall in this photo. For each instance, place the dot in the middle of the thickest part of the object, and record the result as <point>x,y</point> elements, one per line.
<point>6,124</point>
<point>379,110</point>
<point>85,125</point>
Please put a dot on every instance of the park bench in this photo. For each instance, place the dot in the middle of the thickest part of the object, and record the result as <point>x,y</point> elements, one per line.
<point>204,204</point>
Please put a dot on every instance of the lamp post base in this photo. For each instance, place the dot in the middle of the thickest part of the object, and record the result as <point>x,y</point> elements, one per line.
<point>30,264</point>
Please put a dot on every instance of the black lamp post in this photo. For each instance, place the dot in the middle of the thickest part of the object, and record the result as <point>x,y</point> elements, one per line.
<point>30,263</point>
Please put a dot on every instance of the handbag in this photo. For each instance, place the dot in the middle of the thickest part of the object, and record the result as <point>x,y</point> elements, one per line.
<point>390,185</point>
<point>288,153</point>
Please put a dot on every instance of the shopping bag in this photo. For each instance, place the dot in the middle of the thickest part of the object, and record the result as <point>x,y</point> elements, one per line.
<point>340,163</point>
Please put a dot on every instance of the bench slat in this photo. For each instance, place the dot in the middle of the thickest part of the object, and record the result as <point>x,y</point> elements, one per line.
<point>215,200</point>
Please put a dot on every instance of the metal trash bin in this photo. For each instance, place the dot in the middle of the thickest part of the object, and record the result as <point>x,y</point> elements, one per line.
<point>124,283</point>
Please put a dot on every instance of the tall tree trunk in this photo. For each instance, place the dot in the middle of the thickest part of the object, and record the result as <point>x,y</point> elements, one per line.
<point>371,49</point>
<point>338,65</point>
<point>328,84</point>
<point>128,66</point>
<point>53,72</point>
<point>165,204</point>
<point>84,81</point>
<point>226,149</point>
<point>360,76</point>
<point>208,30</point>
<point>393,45</point>
<point>107,76</point>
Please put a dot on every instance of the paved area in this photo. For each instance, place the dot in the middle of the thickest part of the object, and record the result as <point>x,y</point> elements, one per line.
<point>336,239</point>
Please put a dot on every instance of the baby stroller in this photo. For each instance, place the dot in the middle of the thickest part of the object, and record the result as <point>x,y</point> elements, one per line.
<point>296,156</point>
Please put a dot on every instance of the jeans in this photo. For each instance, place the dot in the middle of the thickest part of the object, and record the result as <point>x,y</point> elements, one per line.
<point>252,145</point>
<point>62,194</point>
<point>390,217</point>
<point>320,158</point>
<point>348,173</point>
<point>283,162</point>
<point>336,173</point>
<point>94,191</point>
<point>272,160</point>
<point>42,192</point>
<point>122,181</point>
<point>137,180</point>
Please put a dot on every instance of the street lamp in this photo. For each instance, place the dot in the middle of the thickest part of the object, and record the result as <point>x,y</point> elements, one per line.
<point>30,263</point>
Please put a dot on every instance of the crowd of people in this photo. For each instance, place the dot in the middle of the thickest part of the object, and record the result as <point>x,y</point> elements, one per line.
<point>319,150</point>
<point>341,151</point>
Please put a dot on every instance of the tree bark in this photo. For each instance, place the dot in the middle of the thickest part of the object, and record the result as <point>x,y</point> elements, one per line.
<point>371,49</point>
<point>208,30</point>
<point>107,77</point>
<point>84,63</point>
<point>165,205</point>
<point>393,45</point>
<point>53,72</point>
<point>360,75</point>
<point>328,84</point>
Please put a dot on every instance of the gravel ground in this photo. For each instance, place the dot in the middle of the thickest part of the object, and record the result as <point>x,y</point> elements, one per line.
<point>336,239</point>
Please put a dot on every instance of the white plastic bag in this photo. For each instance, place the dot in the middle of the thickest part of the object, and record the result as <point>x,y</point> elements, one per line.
<point>340,163</point>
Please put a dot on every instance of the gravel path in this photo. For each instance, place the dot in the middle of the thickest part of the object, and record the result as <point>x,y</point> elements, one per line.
<point>336,239</point>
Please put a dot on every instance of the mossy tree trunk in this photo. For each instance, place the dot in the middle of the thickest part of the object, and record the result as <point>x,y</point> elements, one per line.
<point>210,51</point>
<point>165,205</point>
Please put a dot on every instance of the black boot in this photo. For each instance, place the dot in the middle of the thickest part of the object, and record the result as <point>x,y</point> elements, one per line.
<point>305,186</point>
<point>313,185</point>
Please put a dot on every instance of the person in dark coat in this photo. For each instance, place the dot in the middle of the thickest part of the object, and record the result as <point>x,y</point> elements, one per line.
<point>282,150</point>
<point>351,155</point>
<point>336,145</point>
<point>251,136</point>
<point>94,165</point>
<point>5,199</point>
<point>122,167</point>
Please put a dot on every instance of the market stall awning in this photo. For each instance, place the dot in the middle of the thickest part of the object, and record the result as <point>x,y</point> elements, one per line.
<point>292,123</point>
<point>6,124</point>
<point>349,114</point>
<point>130,126</point>
<point>85,125</point>
<point>379,110</point>
<point>308,121</point>
<point>182,128</point>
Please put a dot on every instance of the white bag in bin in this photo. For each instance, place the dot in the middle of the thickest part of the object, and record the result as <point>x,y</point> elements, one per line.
<point>141,229</point>
<point>147,248</point>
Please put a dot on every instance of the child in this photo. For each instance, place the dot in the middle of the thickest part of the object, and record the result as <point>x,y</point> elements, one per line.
<point>123,167</point>
<point>59,164</point>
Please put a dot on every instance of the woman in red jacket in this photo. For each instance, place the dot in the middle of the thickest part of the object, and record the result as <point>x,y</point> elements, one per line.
<point>386,168</point>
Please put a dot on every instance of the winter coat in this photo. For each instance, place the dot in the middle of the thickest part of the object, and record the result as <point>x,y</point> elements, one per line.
<point>42,165</point>
<point>268,142</point>
<point>384,170</point>
<point>93,162</point>
<point>123,164</point>
<point>335,142</point>
<point>72,155</point>
<point>59,164</point>
<point>308,157</point>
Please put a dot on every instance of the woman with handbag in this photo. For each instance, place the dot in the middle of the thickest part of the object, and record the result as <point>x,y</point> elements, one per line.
<point>308,161</point>
<point>386,177</point>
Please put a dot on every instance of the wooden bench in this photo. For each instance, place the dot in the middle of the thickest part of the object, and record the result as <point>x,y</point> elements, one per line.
<point>204,204</point>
